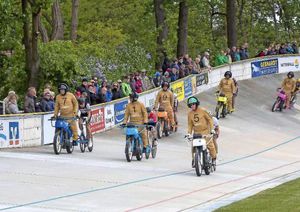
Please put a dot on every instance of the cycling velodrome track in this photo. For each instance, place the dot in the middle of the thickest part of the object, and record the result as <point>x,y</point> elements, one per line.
<point>259,149</point>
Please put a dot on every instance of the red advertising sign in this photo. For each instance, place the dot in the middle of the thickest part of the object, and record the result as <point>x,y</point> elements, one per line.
<point>97,120</point>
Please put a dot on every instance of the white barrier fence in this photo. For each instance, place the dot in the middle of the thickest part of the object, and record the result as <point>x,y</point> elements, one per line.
<point>36,130</point>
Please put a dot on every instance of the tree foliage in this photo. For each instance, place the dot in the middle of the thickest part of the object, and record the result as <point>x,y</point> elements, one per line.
<point>118,37</point>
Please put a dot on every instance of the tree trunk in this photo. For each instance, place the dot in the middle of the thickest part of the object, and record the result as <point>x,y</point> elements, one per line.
<point>286,20</point>
<point>162,29</point>
<point>74,22</point>
<point>275,19</point>
<point>251,19</point>
<point>26,37</point>
<point>43,31</point>
<point>240,18</point>
<point>35,64</point>
<point>231,23</point>
<point>57,22</point>
<point>182,32</point>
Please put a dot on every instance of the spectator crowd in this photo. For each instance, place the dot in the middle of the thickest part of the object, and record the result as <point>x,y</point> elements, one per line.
<point>97,91</point>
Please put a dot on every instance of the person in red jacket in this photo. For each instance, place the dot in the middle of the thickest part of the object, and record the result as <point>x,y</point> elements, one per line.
<point>151,116</point>
<point>138,84</point>
<point>152,120</point>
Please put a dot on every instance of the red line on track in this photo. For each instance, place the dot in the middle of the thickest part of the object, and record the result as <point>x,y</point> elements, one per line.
<point>208,187</point>
<point>235,191</point>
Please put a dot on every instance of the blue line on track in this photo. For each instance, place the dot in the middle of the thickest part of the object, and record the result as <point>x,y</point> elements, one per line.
<point>143,180</point>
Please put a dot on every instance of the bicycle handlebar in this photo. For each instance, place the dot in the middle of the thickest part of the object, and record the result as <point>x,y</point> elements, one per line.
<point>190,137</point>
<point>134,125</point>
<point>63,118</point>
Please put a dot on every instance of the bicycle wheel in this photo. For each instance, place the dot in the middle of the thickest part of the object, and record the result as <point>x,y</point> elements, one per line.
<point>69,144</point>
<point>275,105</point>
<point>159,130</point>
<point>82,144</point>
<point>148,151</point>
<point>154,149</point>
<point>293,100</point>
<point>138,149</point>
<point>166,130</point>
<point>91,144</point>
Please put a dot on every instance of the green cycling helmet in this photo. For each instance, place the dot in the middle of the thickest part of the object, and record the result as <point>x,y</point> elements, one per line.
<point>192,100</point>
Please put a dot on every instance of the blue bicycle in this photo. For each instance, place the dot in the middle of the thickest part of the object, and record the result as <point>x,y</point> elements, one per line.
<point>63,134</point>
<point>134,144</point>
<point>85,137</point>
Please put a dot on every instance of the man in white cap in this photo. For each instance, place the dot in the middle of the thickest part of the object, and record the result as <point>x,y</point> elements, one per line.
<point>205,61</point>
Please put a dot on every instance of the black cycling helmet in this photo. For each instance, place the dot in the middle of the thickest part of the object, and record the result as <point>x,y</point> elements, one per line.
<point>291,74</point>
<point>193,100</point>
<point>63,86</point>
<point>228,73</point>
<point>134,96</point>
<point>148,109</point>
<point>165,83</point>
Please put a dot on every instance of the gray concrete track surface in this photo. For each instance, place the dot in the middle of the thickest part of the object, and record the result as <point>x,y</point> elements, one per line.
<point>258,149</point>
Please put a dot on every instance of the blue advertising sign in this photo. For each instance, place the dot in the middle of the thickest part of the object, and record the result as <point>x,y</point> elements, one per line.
<point>14,130</point>
<point>264,67</point>
<point>14,133</point>
<point>120,111</point>
<point>188,88</point>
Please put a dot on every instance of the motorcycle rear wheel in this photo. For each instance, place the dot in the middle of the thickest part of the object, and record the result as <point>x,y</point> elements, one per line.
<point>138,149</point>
<point>128,150</point>
<point>198,161</point>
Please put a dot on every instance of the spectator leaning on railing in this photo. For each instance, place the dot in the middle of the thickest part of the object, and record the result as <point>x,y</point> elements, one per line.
<point>116,92</point>
<point>11,106</point>
<point>205,61</point>
<point>30,104</point>
<point>221,58</point>
<point>46,103</point>
<point>139,81</point>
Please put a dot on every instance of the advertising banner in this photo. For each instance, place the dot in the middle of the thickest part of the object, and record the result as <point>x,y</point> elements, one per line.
<point>178,88</point>
<point>264,67</point>
<point>119,109</point>
<point>287,64</point>
<point>149,99</point>
<point>188,88</point>
<point>10,133</point>
<point>109,116</point>
<point>48,130</point>
<point>97,120</point>
<point>202,79</point>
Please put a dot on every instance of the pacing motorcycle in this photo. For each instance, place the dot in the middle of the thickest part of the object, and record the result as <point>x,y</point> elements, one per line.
<point>202,158</point>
